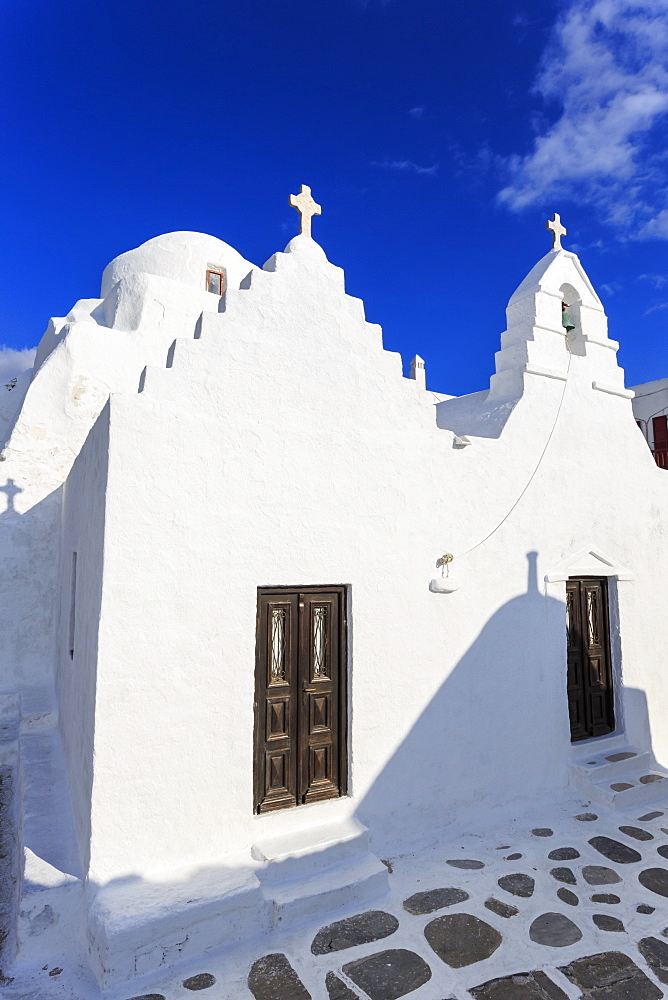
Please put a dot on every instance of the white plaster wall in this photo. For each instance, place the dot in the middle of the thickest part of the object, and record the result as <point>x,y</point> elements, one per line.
<point>83,534</point>
<point>28,588</point>
<point>283,447</point>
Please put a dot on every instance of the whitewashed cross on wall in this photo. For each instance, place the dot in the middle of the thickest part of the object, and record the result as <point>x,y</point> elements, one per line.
<point>306,207</point>
<point>554,224</point>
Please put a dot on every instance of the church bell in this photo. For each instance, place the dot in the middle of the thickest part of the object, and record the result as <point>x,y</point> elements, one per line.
<point>566,318</point>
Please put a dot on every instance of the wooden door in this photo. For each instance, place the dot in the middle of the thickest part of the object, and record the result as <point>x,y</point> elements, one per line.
<point>590,689</point>
<point>300,697</point>
<point>660,431</point>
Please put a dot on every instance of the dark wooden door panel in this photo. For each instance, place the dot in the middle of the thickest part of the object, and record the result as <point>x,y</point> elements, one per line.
<point>276,676</point>
<point>300,734</point>
<point>320,666</point>
<point>578,726</point>
<point>589,674</point>
<point>278,719</point>
<point>278,771</point>
<point>320,715</point>
<point>599,715</point>
<point>575,661</point>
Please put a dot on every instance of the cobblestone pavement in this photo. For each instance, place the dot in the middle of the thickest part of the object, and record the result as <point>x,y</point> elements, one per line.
<point>574,906</point>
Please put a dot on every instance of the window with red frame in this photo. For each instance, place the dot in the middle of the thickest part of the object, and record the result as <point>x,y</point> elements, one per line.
<point>215,282</point>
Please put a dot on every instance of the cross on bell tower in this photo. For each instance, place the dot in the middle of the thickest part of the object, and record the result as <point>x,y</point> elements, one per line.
<point>306,207</point>
<point>554,224</point>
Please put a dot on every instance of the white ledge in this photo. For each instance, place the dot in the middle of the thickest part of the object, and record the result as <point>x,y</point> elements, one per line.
<point>560,331</point>
<point>613,390</point>
<point>546,372</point>
<point>612,345</point>
<point>622,576</point>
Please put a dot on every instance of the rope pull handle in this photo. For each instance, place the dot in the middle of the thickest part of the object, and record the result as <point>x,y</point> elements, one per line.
<point>444,563</point>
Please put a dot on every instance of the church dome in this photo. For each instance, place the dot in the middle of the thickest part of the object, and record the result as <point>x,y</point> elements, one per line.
<point>183,257</point>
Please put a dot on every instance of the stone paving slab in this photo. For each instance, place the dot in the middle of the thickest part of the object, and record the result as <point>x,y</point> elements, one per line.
<point>655,953</point>
<point>518,884</point>
<point>273,978</point>
<point>389,974</point>
<point>554,930</point>
<point>610,976</point>
<point>337,990</point>
<point>521,986</point>
<point>500,908</point>
<point>434,899</point>
<point>655,879</point>
<point>361,929</point>
<point>461,939</point>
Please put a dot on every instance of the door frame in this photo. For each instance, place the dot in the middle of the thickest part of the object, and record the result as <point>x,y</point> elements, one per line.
<point>592,561</point>
<point>343,690</point>
<point>604,645</point>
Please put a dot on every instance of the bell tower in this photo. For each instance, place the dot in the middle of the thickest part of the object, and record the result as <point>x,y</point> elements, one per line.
<point>556,329</point>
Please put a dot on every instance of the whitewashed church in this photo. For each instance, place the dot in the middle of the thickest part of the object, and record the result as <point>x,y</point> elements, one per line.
<point>272,612</point>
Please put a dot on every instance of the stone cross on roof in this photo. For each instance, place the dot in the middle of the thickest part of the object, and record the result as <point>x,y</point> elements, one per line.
<point>306,207</point>
<point>554,224</point>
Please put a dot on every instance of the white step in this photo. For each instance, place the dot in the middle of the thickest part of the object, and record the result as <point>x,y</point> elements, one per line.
<point>323,895</point>
<point>639,792</point>
<point>600,767</point>
<point>302,853</point>
<point>137,927</point>
<point>611,771</point>
<point>586,750</point>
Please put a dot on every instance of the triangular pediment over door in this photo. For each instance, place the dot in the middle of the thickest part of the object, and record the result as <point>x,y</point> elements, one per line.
<point>588,562</point>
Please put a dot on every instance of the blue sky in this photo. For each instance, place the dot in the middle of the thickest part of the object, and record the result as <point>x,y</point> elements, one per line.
<point>438,137</point>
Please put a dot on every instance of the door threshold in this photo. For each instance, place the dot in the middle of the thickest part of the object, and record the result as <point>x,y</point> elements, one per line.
<point>609,740</point>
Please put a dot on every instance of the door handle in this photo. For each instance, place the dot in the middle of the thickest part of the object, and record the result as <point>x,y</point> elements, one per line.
<point>308,687</point>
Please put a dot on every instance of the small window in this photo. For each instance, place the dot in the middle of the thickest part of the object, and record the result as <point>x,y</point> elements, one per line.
<point>73,598</point>
<point>215,282</point>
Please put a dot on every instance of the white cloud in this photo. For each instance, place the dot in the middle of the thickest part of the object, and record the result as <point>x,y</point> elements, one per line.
<point>522,21</point>
<point>13,362</point>
<point>605,67</point>
<point>406,165</point>
<point>656,228</point>
<point>656,308</point>
<point>656,280</point>
<point>416,112</point>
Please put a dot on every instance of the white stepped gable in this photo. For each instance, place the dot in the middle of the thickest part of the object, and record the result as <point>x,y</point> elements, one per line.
<point>539,357</point>
<point>150,296</point>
